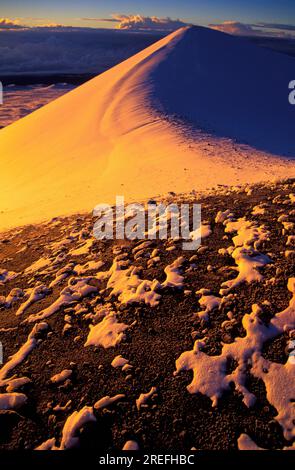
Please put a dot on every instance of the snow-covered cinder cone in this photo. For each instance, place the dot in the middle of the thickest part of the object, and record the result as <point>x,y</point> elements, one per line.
<point>126,131</point>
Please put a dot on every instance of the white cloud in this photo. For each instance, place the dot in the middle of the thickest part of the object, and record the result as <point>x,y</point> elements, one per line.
<point>7,23</point>
<point>234,27</point>
<point>142,23</point>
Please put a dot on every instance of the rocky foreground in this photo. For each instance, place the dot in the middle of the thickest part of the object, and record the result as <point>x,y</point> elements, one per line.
<point>131,344</point>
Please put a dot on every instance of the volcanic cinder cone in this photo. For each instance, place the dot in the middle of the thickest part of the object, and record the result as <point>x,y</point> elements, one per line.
<point>195,109</point>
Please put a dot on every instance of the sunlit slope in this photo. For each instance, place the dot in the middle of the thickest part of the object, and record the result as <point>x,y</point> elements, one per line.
<point>174,117</point>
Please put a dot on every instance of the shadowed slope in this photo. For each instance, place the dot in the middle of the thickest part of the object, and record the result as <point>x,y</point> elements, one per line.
<point>236,89</point>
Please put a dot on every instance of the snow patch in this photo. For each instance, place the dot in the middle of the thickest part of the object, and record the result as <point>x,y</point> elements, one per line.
<point>108,333</point>
<point>12,401</point>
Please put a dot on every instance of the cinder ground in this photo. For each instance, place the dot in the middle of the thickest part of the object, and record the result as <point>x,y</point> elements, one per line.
<point>173,419</point>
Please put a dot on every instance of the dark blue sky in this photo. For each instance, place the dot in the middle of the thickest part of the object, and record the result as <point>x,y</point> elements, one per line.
<point>71,12</point>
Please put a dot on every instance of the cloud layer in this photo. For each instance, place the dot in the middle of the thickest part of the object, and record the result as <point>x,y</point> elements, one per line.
<point>60,50</point>
<point>283,27</point>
